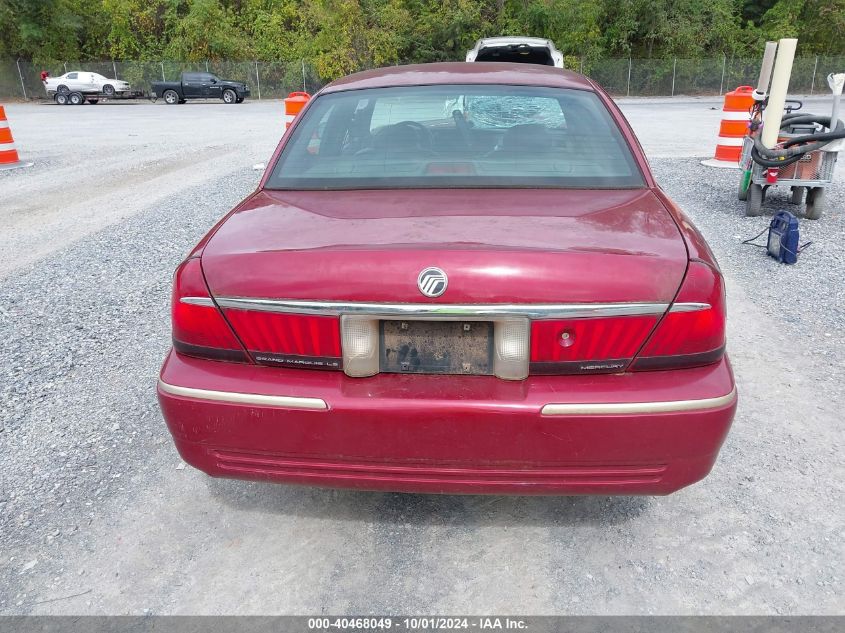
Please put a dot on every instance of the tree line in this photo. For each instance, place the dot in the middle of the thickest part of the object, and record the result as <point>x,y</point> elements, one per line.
<point>340,36</point>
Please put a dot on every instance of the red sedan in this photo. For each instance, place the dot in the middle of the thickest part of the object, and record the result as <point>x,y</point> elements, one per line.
<point>456,278</point>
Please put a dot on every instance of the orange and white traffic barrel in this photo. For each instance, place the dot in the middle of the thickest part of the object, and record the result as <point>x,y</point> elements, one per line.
<point>9,158</point>
<point>293,105</point>
<point>733,127</point>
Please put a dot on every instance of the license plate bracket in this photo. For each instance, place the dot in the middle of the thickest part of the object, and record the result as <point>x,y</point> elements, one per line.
<point>436,347</point>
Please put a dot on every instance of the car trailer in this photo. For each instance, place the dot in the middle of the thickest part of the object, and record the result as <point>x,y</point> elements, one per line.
<point>71,97</point>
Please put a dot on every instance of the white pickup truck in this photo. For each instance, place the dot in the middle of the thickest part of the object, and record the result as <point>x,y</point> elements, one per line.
<point>526,50</point>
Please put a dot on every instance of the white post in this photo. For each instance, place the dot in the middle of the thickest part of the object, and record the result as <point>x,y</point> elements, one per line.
<point>813,84</point>
<point>20,74</point>
<point>162,71</point>
<point>628,91</point>
<point>674,65</point>
<point>257,80</point>
<point>769,55</point>
<point>114,68</point>
<point>304,87</point>
<point>773,113</point>
<point>206,65</point>
<point>722,82</point>
<point>836,83</point>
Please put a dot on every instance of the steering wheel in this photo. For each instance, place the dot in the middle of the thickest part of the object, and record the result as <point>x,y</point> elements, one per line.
<point>419,135</point>
<point>423,133</point>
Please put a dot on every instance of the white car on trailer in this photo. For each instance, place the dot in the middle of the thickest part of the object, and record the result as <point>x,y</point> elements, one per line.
<point>84,83</point>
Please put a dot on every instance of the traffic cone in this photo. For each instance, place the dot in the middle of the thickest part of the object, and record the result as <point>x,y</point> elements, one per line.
<point>9,158</point>
<point>733,128</point>
<point>294,103</point>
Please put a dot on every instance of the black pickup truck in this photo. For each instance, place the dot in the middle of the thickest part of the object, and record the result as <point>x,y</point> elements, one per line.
<point>200,86</point>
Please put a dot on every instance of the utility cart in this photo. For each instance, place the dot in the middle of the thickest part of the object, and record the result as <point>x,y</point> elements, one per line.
<point>804,157</point>
<point>811,175</point>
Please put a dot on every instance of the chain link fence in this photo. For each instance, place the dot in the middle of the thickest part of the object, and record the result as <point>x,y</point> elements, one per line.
<point>710,76</point>
<point>274,80</point>
<point>267,80</point>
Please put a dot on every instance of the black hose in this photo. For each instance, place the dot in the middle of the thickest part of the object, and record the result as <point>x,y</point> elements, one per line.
<point>765,162</point>
<point>818,136</point>
<point>795,148</point>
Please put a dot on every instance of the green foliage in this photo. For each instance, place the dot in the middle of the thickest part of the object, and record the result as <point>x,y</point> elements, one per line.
<point>138,29</point>
<point>340,36</point>
<point>51,29</point>
<point>207,30</point>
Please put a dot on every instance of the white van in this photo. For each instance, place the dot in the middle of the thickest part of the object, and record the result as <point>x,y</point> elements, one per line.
<point>526,50</point>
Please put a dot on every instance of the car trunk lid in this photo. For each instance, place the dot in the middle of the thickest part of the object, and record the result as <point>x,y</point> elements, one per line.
<point>495,246</point>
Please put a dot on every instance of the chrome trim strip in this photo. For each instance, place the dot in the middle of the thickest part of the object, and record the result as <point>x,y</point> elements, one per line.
<point>621,408</point>
<point>431,310</point>
<point>286,402</point>
<point>198,301</point>
<point>537,311</point>
<point>689,307</point>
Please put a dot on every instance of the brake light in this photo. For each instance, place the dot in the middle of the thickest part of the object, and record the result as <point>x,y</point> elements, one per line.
<point>594,345</point>
<point>693,332</point>
<point>450,169</point>
<point>291,340</point>
<point>198,326</point>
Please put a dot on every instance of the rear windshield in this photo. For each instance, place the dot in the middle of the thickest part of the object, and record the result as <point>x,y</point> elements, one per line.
<point>516,53</point>
<point>456,136</point>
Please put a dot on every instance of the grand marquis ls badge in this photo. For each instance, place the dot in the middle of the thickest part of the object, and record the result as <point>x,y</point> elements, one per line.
<point>432,282</point>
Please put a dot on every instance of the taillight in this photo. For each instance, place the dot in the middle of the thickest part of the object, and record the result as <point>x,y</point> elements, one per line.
<point>290,340</point>
<point>199,328</point>
<point>693,332</point>
<point>588,345</point>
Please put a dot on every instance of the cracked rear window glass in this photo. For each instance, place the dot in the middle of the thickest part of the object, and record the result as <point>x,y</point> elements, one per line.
<point>456,136</point>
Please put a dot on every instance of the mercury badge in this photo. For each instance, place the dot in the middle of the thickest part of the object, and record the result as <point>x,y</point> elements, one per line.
<point>432,282</point>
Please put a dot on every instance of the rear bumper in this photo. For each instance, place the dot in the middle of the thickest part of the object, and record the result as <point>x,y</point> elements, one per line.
<point>638,433</point>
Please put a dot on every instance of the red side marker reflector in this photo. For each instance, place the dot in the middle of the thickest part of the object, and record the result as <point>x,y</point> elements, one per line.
<point>589,339</point>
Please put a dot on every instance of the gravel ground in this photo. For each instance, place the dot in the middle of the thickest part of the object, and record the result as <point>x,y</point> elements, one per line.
<point>99,165</point>
<point>806,300</point>
<point>99,516</point>
<point>80,422</point>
